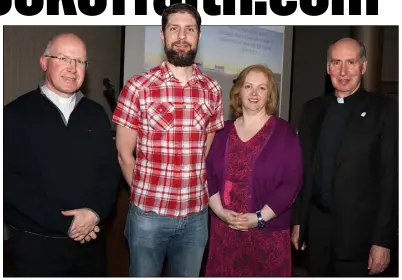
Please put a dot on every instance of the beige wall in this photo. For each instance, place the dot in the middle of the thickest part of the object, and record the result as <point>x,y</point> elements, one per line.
<point>23,45</point>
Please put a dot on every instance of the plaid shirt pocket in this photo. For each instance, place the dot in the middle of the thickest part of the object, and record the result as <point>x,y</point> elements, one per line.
<point>202,115</point>
<point>161,115</point>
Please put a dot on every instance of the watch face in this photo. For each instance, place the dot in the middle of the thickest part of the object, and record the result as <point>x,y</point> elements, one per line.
<point>260,223</point>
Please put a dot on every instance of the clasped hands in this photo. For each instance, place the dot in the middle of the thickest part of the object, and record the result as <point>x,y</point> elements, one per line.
<point>239,221</point>
<point>84,226</point>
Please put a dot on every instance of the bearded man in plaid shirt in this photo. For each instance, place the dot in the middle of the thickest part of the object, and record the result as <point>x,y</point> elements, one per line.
<point>169,116</point>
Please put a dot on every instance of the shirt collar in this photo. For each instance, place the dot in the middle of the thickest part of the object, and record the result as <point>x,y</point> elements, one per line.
<point>351,99</point>
<point>168,75</point>
<point>75,98</point>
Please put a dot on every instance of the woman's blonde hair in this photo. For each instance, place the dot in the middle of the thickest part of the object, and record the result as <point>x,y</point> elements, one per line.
<point>273,97</point>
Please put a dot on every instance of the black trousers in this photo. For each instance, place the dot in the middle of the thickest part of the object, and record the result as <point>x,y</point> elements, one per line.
<point>322,262</point>
<point>38,256</point>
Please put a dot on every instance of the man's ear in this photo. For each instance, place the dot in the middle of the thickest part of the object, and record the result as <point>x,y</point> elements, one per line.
<point>43,63</point>
<point>364,67</point>
<point>162,36</point>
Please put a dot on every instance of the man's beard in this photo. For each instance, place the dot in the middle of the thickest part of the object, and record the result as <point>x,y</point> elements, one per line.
<point>180,60</point>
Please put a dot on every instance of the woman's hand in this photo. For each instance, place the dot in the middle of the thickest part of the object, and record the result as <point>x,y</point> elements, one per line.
<point>231,218</point>
<point>246,221</point>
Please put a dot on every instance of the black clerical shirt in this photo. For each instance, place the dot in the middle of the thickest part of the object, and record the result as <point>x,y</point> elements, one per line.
<point>332,129</point>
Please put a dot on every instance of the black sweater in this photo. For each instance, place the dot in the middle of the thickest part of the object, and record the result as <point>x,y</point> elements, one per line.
<point>50,167</point>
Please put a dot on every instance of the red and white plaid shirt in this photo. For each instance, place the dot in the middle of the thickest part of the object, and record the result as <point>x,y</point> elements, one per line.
<point>172,122</point>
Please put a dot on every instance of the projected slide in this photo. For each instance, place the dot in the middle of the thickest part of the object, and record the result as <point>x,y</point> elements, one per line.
<point>225,50</point>
<point>222,52</point>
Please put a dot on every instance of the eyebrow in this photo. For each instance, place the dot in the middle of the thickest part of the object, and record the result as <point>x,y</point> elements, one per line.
<point>68,56</point>
<point>177,25</point>
<point>337,59</point>
<point>263,84</point>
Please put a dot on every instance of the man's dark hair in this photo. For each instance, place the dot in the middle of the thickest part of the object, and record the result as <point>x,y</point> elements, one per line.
<point>181,8</point>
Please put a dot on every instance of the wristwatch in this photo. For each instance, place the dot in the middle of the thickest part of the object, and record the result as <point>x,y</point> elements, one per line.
<point>261,222</point>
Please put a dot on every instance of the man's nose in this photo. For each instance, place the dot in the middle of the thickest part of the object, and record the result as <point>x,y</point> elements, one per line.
<point>181,34</point>
<point>343,70</point>
<point>72,65</point>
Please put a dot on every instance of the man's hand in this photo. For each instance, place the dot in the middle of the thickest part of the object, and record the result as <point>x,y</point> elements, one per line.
<point>92,235</point>
<point>379,259</point>
<point>84,222</point>
<point>295,238</point>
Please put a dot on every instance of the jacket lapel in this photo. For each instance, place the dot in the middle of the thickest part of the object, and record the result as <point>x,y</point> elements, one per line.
<point>317,125</point>
<point>313,137</point>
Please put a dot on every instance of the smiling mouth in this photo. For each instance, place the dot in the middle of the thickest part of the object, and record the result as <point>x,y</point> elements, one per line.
<point>253,100</point>
<point>181,48</point>
<point>69,78</point>
<point>182,45</point>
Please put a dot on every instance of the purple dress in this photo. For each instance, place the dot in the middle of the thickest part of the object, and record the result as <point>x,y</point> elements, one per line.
<point>253,253</point>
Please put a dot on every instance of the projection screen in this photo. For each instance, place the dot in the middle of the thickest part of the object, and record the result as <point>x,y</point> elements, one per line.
<point>223,52</point>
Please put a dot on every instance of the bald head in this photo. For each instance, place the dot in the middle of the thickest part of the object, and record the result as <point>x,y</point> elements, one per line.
<point>60,39</point>
<point>347,44</point>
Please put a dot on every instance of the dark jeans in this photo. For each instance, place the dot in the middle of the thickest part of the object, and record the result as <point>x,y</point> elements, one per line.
<point>38,256</point>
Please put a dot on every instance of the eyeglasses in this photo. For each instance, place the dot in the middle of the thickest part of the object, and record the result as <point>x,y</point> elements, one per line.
<point>68,60</point>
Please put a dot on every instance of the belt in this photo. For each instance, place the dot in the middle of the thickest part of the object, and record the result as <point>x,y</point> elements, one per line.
<point>38,234</point>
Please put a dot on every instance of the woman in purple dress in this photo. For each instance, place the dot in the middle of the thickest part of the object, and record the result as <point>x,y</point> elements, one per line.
<point>254,173</point>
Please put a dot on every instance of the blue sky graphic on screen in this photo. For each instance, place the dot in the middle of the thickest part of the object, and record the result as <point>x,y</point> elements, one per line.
<point>225,50</point>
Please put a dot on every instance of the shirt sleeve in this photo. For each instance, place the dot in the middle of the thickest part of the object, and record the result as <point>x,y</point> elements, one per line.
<point>216,121</point>
<point>127,112</point>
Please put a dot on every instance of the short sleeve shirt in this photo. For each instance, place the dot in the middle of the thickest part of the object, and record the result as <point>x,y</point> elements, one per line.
<point>172,123</point>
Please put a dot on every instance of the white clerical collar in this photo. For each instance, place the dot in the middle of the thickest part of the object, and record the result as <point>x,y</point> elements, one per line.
<point>57,98</point>
<point>340,100</point>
